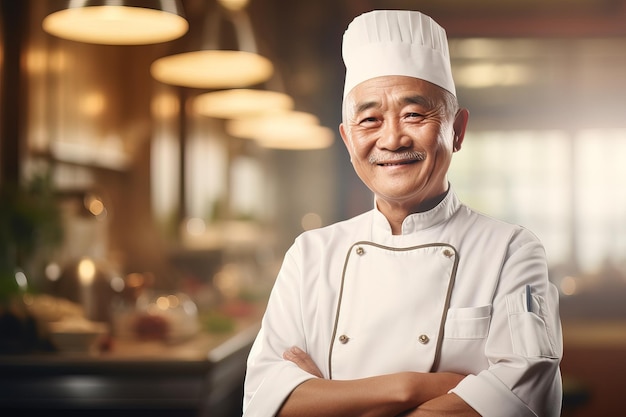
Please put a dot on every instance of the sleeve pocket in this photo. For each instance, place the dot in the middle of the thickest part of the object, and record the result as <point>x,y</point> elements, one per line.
<point>468,322</point>
<point>529,333</point>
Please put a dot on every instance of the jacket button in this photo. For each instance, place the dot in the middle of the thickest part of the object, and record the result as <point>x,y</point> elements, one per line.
<point>423,339</point>
<point>448,253</point>
<point>343,339</point>
<point>360,251</point>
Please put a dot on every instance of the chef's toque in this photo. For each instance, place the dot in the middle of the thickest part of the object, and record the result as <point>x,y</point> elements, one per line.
<point>396,42</point>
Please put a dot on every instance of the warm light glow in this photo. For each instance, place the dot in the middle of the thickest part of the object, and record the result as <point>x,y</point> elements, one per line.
<point>303,138</point>
<point>233,4</point>
<point>487,48</point>
<point>173,301</point>
<point>92,104</point>
<point>94,205</point>
<point>212,69</point>
<point>228,281</point>
<point>311,221</point>
<point>165,106</point>
<point>115,25</point>
<point>195,226</point>
<point>117,284</point>
<point>485,75</point>
<point>264,125</point>
<point>569,285</point>
<point>283,130</point>
<point>86,271</point>
<point>53,271</point>
<point>240,103</point>
<point>135,280</point>
<point>36,61</point>
<point>163,303</point>
<point>58,60</point>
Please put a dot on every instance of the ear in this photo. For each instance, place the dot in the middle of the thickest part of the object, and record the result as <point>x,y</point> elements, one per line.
<point>346,140</point>
<point>460,124</point>
<point>342,132</point>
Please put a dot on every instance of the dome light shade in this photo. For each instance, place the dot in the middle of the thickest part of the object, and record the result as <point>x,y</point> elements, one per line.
<point>264,126</point>
<point>303,138</point>
<point>118,22</point>
<point>240,103</point>
<point>283,130</point>
<point>212,69</point>
<point>233,4</point>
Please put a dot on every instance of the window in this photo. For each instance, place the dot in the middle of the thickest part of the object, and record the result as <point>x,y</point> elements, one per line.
<point>565,187</point>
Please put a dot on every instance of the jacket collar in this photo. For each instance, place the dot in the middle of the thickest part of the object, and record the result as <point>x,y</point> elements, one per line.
<point>418,221</point>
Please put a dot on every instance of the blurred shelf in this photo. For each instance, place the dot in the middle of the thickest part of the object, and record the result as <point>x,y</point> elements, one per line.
<point>89,157</point>
<point>202,376</point>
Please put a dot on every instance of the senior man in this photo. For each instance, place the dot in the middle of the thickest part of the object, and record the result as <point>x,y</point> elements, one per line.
<point>420,306</point>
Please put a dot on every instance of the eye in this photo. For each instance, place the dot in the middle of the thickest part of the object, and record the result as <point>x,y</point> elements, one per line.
<point>369,121</point>
<point>414,115</point>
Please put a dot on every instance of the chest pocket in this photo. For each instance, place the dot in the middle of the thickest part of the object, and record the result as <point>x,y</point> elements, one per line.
<point>465,336</point>
<point>468,323</point>
<point>392,306</point>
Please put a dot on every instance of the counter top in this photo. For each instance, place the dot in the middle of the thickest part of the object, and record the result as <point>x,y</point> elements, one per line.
<point>195,377</point>
<point>201,350</point>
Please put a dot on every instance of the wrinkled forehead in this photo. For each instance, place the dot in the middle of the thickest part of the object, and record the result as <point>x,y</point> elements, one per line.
<point>384,90</point>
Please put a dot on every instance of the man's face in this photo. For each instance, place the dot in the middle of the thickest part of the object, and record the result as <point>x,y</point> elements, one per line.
<point>400,137</point>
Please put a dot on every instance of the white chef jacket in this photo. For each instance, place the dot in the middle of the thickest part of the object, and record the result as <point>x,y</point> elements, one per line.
<point>457,291</point>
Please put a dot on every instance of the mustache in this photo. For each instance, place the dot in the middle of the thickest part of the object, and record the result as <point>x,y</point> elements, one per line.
<point>399,156</point>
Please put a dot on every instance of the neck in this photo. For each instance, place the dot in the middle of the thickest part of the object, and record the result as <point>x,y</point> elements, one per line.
<point>396,213</point>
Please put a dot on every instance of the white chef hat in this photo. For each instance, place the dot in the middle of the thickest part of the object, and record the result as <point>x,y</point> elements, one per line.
<point>396,42</point>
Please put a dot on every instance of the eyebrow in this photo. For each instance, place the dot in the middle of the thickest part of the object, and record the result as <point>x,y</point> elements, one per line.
<point>415,99</point>
<point>361,107</point>
<point>419,100</point>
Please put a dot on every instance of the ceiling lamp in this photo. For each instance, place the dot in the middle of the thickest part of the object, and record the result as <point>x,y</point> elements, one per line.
<point>233,4</point>
<point>118,22</point>
<point>302,138</point>
<point>240,103</point>
<point>292,130</point>
<point>213,68</point>
<point>264,125</point>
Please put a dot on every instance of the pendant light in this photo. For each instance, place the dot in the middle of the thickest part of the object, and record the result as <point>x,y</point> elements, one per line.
<point>118,22</point>
<point>240,103</point>
<point>300,138</point>
<point>291,130</point>
<point>214,68</point>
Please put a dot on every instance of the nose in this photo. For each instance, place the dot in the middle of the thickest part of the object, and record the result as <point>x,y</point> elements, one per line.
<point>393,137</point>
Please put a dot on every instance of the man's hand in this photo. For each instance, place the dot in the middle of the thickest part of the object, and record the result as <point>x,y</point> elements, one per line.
<point>382,396</point>
<point>303,360</point>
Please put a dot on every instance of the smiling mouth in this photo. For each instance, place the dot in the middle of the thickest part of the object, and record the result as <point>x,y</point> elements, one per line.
<point>404,158</point>
<point>390,164</point>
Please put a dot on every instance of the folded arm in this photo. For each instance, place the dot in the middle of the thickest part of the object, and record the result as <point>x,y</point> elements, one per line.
<point>384,396</point>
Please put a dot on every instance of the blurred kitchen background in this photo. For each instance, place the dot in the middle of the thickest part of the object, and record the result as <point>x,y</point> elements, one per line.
<point>142,220</point>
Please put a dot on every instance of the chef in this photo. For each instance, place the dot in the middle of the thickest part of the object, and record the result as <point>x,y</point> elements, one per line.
<point>420,306</point>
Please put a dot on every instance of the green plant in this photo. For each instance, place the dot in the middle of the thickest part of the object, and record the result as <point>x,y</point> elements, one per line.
<point>30,221</point>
